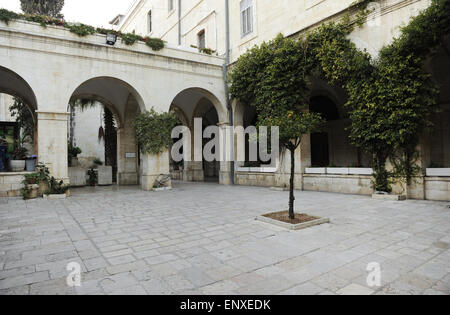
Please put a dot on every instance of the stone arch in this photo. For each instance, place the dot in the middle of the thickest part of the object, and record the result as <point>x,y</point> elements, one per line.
<point>123,100</point>
<point>13,84</point>
<point>108,89</point>
<point>187,99</point>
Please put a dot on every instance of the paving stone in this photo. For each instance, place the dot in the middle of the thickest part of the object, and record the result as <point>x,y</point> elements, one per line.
<point>121,260</point>
<point>355,289</point>
<point>137,243</point>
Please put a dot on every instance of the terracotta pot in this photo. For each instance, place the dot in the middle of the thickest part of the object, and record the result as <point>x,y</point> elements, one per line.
<point>43,188</point>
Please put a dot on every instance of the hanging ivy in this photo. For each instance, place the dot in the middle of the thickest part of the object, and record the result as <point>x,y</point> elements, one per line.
<point>154,131</point>
<point>390,100</point>
<point>80,29</point>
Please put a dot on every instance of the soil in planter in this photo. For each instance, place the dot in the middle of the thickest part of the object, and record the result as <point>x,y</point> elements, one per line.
<point>283,216</point>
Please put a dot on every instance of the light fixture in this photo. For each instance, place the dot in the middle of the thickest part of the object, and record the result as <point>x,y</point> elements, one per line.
<point>111,39</point>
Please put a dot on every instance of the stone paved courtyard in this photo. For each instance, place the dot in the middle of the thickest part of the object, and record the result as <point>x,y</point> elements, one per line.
<point>203,239</point>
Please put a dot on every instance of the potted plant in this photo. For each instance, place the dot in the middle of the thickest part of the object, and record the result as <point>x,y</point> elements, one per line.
<point>92,177</point>
<point>31,163</point>
<point>57,189</point>
<point>44,178</point>
<point>73,155</point>
<point>17,163</point>
<point>30,189</point>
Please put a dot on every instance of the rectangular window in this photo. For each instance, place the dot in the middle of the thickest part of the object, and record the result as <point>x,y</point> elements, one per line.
<point>170,5</point>
<point>246,17</point>
<point>149,21</point>
<point>202,40</point>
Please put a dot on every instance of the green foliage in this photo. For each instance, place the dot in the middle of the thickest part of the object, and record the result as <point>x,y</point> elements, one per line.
<point>207,51</point>
<point>24,118</point>
<point>6,16</point>
<point>92,177</point>
<point>41,175</point>
<point>98,162</point>
<point>81,30</point>
<point>130,38</point>
<point>274,78</point>
<point>43,7</point>
<point>20,153</point>
<point>155,44</point>
<point>73,151</point>
<point>390,100</point>
<point>154,130</point>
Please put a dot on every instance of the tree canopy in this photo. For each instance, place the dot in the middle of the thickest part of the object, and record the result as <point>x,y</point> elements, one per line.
<point>43,7</point>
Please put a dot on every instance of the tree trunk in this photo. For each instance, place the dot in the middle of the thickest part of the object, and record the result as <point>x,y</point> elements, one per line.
<point>291,188</point>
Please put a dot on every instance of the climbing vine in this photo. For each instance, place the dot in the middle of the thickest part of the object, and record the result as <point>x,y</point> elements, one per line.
<point>80,29</point>
<point>154,131</point>
<point>390,99</point>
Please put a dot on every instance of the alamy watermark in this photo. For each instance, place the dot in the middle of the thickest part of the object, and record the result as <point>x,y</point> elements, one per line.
<point>216,143</point>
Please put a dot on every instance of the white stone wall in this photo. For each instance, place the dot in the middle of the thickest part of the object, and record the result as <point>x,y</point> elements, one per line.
<point>269,19</point>
<point>5,102</point>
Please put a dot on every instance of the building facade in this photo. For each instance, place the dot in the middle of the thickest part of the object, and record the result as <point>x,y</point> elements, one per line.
<point>326,161</point>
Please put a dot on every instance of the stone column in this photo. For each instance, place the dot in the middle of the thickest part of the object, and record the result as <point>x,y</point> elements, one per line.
<point>193,172</point>
<point>127,150</point>
<point>52,143</point>
<point>153,166</point>
<point>193,169</point>
<point>416,189</point>
<point>226,138</point>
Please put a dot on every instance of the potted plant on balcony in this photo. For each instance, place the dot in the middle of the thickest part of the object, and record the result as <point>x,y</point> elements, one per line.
<point>17,163</point>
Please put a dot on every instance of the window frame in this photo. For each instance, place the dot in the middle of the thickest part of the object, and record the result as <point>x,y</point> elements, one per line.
<point>246,17</point>
<point>200,35</point>
<point>150,22</point>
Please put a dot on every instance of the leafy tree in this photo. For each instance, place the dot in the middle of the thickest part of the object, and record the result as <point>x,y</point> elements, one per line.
<point>274,78</point>
<point>43,7</point>
<point>24,119</point>
<point>110,139</point>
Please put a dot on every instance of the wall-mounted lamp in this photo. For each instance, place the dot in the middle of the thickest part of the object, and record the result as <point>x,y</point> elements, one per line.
<point>111,39</point>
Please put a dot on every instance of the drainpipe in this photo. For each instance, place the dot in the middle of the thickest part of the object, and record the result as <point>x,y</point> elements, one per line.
<point>179,22</point>
<point>227,94</point>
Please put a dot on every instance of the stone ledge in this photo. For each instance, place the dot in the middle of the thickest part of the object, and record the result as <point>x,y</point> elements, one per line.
<point>294,227</point>
<point>389,197</point>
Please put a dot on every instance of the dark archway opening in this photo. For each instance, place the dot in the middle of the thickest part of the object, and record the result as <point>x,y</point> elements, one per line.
<point>320,142</point>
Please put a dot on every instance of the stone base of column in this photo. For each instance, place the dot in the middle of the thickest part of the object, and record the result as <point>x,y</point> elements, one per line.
<point>416,190</point>
<point>283,180</point>
<point>225,178</point>
<point>128,179</point>
<point>193,172</point>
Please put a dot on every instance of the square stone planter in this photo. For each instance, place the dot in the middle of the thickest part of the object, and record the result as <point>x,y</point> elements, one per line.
<point>316,170</point>
<point>105,177</point>
<point>293,227</point>
<point>338,170</point>
<point>161,189</point>
<point>77,177</point>
<point>360,171</point>
<point>55,197</point>
<point>438,172</point>
<point>389,197</point>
